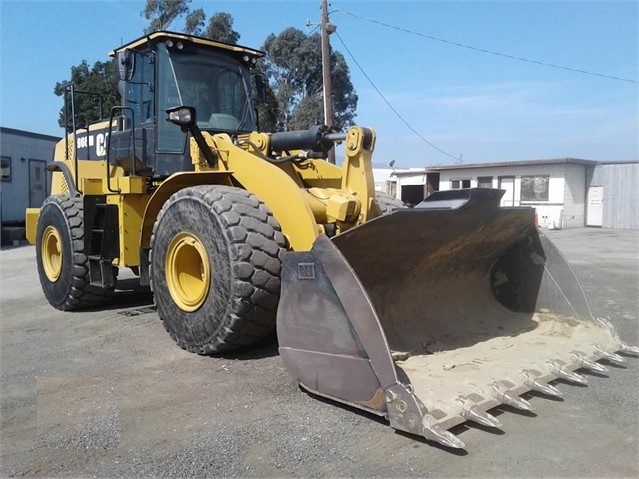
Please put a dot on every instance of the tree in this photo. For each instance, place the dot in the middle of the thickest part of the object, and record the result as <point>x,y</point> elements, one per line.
<point>194,22</point>
<point>100,79</point>
<point>294,68</point>
<point>221,29</point>
<point>162,13</point>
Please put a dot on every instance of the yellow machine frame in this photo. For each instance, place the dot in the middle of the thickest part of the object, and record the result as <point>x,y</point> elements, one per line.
<point>302,196</point>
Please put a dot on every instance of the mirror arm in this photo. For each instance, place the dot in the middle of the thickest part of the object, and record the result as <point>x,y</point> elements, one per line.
<point>185,118</point>
<point>211,158</point>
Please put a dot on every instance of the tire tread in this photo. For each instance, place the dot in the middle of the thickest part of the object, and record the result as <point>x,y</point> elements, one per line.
<point>82,294</point>
<point>256,245</point>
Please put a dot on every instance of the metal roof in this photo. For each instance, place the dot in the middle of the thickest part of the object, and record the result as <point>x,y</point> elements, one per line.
<point>28,134</point>
<point>165,35</point>
<point>466,166</point>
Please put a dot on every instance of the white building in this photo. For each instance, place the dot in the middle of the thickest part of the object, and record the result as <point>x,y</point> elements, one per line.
<point>25,181</point>
<point>565,192</point>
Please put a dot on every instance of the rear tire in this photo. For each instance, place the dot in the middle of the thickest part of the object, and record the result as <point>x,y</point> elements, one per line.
<point>215,268</point>
<point>387,203</point>
<point>62,265</point>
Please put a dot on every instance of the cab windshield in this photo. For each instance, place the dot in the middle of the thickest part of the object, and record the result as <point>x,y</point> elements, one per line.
<point>216,85</point>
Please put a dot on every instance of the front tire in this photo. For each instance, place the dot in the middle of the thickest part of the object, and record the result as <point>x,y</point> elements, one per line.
<point>62,264</point>
<point>215,268</point>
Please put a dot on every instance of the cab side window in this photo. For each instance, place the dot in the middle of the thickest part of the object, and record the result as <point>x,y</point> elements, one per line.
<point>138,95</point>
<point>170,138</point>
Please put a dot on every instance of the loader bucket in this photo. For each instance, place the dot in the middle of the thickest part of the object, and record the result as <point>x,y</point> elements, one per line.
<point>432,316</point>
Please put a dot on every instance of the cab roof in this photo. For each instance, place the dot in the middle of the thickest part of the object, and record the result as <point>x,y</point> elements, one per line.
<point>161,36</point>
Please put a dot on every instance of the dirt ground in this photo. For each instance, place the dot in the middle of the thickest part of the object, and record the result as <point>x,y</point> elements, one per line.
<point>108,394</point>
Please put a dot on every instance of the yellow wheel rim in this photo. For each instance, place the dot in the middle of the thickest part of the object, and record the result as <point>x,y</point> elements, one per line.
<point>188,272</point>
<point>52,253</point>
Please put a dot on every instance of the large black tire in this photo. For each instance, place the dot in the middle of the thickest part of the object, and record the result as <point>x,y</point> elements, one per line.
<point>387,203</point>
<point>62,264</point>
<point>215,268</point>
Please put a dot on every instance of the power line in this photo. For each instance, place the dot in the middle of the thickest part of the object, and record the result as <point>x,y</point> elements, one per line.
<point>489,52</point>
<point>391,106</point>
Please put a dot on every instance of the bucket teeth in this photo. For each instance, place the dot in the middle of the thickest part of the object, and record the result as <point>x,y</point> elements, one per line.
<point>584,362</point>
<point>503,395</point>
<point>437,434</point>
<point>612,357</point>
<point>626,348</point>
<point>564,373</point>
<point>536,385</point>
<point>481,417</point>
<point>472,413</point>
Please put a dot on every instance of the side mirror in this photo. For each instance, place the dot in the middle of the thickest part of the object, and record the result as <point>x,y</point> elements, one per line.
<point>183,116</point>
<point>260,87</point>
<point>126,65</point>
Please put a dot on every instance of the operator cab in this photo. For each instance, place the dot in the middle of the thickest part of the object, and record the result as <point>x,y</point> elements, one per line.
<point>164,70</point>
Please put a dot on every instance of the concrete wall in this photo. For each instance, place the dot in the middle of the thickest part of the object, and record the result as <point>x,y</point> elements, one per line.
<point>568,185</point>
<point>566,188</point>
<point>550,211</point>
<point>574,209</point>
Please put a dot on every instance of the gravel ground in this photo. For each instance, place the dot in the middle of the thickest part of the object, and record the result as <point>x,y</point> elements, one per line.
<point>108,394</point>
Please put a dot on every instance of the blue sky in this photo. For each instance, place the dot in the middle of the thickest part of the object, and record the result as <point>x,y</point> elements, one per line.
<point>481,106</point>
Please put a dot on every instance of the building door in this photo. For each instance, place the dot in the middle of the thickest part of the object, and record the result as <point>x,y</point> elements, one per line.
<point>37,182</point>
<point>507,183</point>
<point>432,183</point>
<point>594,213</point>
<point>412,194</point>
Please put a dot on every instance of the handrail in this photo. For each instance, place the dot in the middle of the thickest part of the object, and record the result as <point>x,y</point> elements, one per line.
<point>108,143</point>
<point>69,89</point>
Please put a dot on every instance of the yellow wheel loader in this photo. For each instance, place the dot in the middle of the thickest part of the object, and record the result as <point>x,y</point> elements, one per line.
<point>428,316</point>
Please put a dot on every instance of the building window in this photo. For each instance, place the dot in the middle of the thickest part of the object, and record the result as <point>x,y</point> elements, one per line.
<point>6,168</point>
<point>457,184</point>
<point>484,182</point>
<point>535,188</point>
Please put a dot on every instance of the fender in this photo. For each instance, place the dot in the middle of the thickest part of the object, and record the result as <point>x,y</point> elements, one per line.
<point>170,186</point>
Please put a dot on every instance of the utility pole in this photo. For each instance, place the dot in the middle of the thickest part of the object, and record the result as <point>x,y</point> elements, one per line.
<point>326,29</point>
